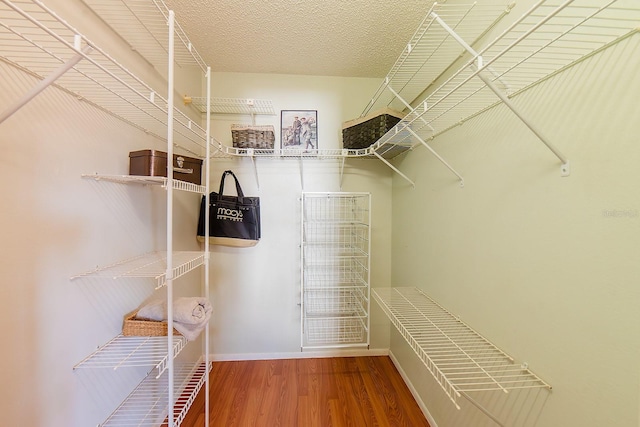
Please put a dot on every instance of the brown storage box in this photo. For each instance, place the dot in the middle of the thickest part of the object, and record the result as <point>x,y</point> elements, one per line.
<point>247,136</point>
<point>154,163</point>
<point>361,133</point>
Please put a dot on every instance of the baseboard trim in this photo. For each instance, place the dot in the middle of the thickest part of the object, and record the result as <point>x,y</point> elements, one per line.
<point>414,392</point>
<point>300,354</point>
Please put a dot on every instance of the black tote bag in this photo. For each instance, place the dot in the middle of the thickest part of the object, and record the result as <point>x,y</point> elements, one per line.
<point>234,220</point>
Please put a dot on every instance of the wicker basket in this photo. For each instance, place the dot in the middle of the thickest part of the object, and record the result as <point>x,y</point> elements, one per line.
<point>247,136</point>
<point>363,132</point>
<point>133,327</point>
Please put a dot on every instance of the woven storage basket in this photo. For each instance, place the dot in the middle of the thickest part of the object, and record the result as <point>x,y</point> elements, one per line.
<point>361,133</point>
<point>133,327</point>
<point>247,136</point>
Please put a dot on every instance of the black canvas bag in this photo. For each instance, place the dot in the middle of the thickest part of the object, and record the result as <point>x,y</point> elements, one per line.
<point>234,220</point>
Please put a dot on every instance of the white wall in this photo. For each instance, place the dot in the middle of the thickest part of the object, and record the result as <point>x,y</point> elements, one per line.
<point>544,266</point>
<point>256,291</point>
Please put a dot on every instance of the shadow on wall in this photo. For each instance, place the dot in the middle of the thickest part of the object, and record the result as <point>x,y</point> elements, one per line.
<point>517,408</point>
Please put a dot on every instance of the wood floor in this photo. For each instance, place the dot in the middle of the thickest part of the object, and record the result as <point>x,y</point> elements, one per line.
<point>324,392</point>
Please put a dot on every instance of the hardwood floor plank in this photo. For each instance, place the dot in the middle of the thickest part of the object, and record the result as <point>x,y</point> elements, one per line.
<point>319,392</point>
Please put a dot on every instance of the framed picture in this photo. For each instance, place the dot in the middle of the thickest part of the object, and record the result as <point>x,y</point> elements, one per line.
<point>299,130</point>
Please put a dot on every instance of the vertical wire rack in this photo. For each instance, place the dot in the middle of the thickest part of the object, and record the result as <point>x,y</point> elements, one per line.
<point>39,42</point>
<point>335,269</point>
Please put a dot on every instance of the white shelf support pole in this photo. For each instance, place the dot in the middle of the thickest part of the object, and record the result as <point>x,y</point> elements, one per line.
<point>301,173</point>
<point>170,76</point>
<point>207,253</point>
<point>565,169</point>
<point>45,83</point>
<point>395,169</point>
<point>443,161</point>
<point>342,170</point>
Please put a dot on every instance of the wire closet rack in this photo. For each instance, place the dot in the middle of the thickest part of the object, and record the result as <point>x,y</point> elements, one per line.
<point>40,43</point>
<point>460,359</point>
<point>455,68</point>
<point>335,269</point>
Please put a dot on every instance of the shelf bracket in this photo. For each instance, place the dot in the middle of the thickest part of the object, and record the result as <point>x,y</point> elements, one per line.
<point>45,83</point>
<point>395,169</point>
<point>342,169</point>
<point>406,104</point>
<point>564,169</point>
<point>250,153</point>
<point>443,161</point>
<point>301,173</point>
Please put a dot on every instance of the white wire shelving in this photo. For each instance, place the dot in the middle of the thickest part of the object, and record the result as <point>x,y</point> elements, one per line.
<point>247,106</point>
<point>127,351</point>
<point>452,71</point>
<point>335,257</point>
<point>35,39</point>
<point>152,265</point>
<point>149,180</point>
<point>39,42</point>
<point>147,405</point>
<point>460,359</point>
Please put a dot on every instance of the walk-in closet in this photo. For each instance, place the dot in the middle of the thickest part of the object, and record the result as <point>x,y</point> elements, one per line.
<point>320,213</point>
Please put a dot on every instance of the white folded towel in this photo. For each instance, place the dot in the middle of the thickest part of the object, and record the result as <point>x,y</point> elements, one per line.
<point>192,311</point>
<point>153,310</point>
<point>190,332</point>
<point>190,314</point>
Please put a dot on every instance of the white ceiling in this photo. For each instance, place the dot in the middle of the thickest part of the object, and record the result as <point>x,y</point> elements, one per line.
<point>350,38</point>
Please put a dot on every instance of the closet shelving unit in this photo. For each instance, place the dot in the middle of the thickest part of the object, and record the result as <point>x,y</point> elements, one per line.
<point>34,39</point>
<point>460,359</point>
<point>247,106</point>
<point>452,70</point>
<point>335,259</point>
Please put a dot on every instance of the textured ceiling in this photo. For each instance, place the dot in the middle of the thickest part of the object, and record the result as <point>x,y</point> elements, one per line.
<point>351,38</point>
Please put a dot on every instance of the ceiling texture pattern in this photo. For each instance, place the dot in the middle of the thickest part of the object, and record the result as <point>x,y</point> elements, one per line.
<point>359,38</point>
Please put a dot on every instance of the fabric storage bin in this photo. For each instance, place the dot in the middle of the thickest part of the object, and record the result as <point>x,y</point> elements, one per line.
<point>154,163</point>
<point>362,132</point>
<point>248,136</point>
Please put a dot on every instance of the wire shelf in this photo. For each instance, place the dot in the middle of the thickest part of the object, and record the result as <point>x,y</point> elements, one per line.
<point>36,40</point>
<point>337,208</point>
<point>143,24</point>
<point>459,358</point>
<point>221,150</point>
<point>148,404</point>
<point>431,51</point>
<point>151,265</point>
<point>126,352</point>
<point>232,105</point>
<point>336,302</point>
<point>334,273</point>
<point>335,331</point>
<point>552,36</point>
<point>149,180</point>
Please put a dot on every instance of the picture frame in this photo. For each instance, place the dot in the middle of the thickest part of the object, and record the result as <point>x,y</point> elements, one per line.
<point>299,130</point>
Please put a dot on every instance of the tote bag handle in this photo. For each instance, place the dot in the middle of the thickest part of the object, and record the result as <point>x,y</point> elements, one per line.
<point>238,188</point>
